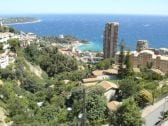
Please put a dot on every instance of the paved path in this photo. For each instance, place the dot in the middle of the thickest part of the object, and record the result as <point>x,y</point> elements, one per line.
<point>152,113</point>
<point>2,118</point>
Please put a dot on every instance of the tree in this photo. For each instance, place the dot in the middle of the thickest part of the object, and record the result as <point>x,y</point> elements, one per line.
<point>128,114</point>
<point>96,108</point>
<point>14,44</point>
<point>30,85</point>
<point>7,73</point>
<point>12,30</point>
<point>51,60</point>
<point>1,48</point>
<point>128,64</point>
<point>129,87</point>
<point>121,61</point>
<point>105,64</point>
<point>144,97</point>
<point>95,104</point>
<point>149,65</point>
<point>32,53</point>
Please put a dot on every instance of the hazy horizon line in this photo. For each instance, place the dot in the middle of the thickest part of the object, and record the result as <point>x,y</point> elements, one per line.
<point>15,14</point>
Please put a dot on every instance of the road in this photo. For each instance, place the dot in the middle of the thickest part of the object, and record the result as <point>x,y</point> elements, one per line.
<point>151,114</point>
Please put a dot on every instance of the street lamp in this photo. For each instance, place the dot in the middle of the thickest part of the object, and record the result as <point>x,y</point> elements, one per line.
<point>69,109</point>
<point>80,116</point>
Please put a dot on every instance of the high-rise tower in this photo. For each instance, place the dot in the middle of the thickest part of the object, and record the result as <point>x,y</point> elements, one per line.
<point>110,39</point>
<point>142,45</point>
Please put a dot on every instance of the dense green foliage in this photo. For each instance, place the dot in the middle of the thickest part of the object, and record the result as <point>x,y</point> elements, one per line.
<point>66,39</point>
<point>14,44</point>
<point>74,75</point>
<point>1,48</point>
<point>128,64</point>
<point>144,97</point>
<point>31,100</point>
<point>129,87</point>
<point>127,115</point>
<point>121,61</point>
<point>21,95</point>
<point>124,61</point>
<point>144,89</point>
<point>7,29</point>
<point>105,64</point>
<point>50,60</point>
<point>43,101</point>
<point>95,104</point>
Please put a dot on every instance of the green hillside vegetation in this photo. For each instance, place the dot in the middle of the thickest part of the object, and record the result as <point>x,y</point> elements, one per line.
<point>32,100</point>
<point>7,29</point>
<point>67,39</point>
<point>34,92</point>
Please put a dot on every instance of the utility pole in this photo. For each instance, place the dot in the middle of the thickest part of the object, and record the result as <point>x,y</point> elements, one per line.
<point>83,114</point>
<point>165,105</point>
<point>84,108</point>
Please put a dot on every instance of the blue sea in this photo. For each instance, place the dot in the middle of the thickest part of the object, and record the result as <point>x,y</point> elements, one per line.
<point>91,28</point>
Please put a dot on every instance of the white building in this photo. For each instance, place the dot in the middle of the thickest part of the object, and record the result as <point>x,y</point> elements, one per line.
<point>4,60</point>
<point>7,58</point>
<point>27,38</point>
<point>61,36</point>
<point>163,51</point>
<point>4,37</point>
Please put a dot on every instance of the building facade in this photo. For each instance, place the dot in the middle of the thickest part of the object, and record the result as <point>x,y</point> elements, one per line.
<point>140,59</point>
<point>163,51</point>
<point>110,39</point>
<point>4,60</point>
<point>142,45</point>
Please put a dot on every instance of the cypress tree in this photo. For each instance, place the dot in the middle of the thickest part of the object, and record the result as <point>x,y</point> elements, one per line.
<point>121,60</point>
<point>128,64</point>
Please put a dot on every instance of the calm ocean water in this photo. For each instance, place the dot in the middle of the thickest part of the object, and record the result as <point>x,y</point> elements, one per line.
<point>91,27</point>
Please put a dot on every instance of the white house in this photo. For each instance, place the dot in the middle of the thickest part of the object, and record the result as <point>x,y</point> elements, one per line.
<point>4,60</point>
<point>110,89</point>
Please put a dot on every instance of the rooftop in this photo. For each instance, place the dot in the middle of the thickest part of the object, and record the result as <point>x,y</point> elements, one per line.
<point>114,105</point>
<point>108,85</point>
<point>89,80</point>
<point>98,72</point>
<point>114,23</point>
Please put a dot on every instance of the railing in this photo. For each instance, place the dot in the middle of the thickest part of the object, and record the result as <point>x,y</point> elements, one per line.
<point>161,97</point>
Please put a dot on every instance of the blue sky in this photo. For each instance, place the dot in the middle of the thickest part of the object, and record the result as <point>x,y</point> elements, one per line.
<point>153,7</point>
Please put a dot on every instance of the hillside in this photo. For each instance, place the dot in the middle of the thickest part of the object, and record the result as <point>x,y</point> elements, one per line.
<point>15,20</point>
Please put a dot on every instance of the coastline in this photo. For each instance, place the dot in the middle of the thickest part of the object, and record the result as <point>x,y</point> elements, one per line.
<point>88,47</point>
<point>25,22</point>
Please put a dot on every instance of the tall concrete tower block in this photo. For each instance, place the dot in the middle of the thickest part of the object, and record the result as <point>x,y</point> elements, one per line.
<point>142,45</point>
<point>110,39</point>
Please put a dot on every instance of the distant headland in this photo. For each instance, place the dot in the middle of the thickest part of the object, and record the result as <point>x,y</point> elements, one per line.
<point>19,20</point>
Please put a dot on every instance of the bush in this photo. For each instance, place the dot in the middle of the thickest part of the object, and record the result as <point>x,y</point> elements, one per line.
<point>105,64</point>
<point>50,60</point>
<point>7,120</point>
<point>144,97</point>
